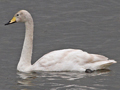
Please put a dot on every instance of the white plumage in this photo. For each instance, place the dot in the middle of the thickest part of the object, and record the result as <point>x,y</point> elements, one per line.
<point>59,60</point>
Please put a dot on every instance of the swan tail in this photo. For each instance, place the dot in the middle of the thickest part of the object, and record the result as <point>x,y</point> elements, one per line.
<point>101,62</point>
<point>98,58</point>
<point>106,64</point>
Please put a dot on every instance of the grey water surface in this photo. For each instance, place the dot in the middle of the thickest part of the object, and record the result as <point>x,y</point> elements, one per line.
<point>90,25</point>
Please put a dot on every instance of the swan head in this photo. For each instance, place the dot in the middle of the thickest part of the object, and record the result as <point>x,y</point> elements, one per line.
<point>21,16</point>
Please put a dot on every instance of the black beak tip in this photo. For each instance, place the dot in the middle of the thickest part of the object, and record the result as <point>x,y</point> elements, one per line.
<point>7,23</point>
<point>10,23</point>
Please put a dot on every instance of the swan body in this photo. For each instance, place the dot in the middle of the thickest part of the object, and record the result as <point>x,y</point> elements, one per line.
<point>58,60</point>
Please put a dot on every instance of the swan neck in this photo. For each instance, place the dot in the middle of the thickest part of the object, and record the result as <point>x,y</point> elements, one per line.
<point>26,55</point>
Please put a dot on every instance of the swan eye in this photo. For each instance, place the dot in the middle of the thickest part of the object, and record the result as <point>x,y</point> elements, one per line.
<point>17,15</point>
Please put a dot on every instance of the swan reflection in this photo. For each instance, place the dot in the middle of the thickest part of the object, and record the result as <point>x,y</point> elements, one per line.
<point>32,79</point>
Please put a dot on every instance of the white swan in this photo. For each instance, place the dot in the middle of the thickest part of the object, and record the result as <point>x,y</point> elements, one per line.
<point>59,60</point>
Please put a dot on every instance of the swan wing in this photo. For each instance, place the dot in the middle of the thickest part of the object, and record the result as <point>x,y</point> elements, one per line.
<point>71,59</point>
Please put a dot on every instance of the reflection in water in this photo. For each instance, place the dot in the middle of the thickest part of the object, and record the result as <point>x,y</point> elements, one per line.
<point>56,80</point>
<point>26,78</point>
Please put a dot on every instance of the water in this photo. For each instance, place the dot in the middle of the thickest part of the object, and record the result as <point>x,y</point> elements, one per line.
<point>90,25</point>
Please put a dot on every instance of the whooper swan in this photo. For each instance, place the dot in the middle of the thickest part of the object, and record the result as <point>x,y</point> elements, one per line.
<point>59,60</point>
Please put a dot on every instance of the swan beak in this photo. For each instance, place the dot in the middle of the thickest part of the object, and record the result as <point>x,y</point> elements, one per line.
<point>13,20</point>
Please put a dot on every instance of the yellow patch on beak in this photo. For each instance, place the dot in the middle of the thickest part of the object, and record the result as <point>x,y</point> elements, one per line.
<point>13,20</point>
